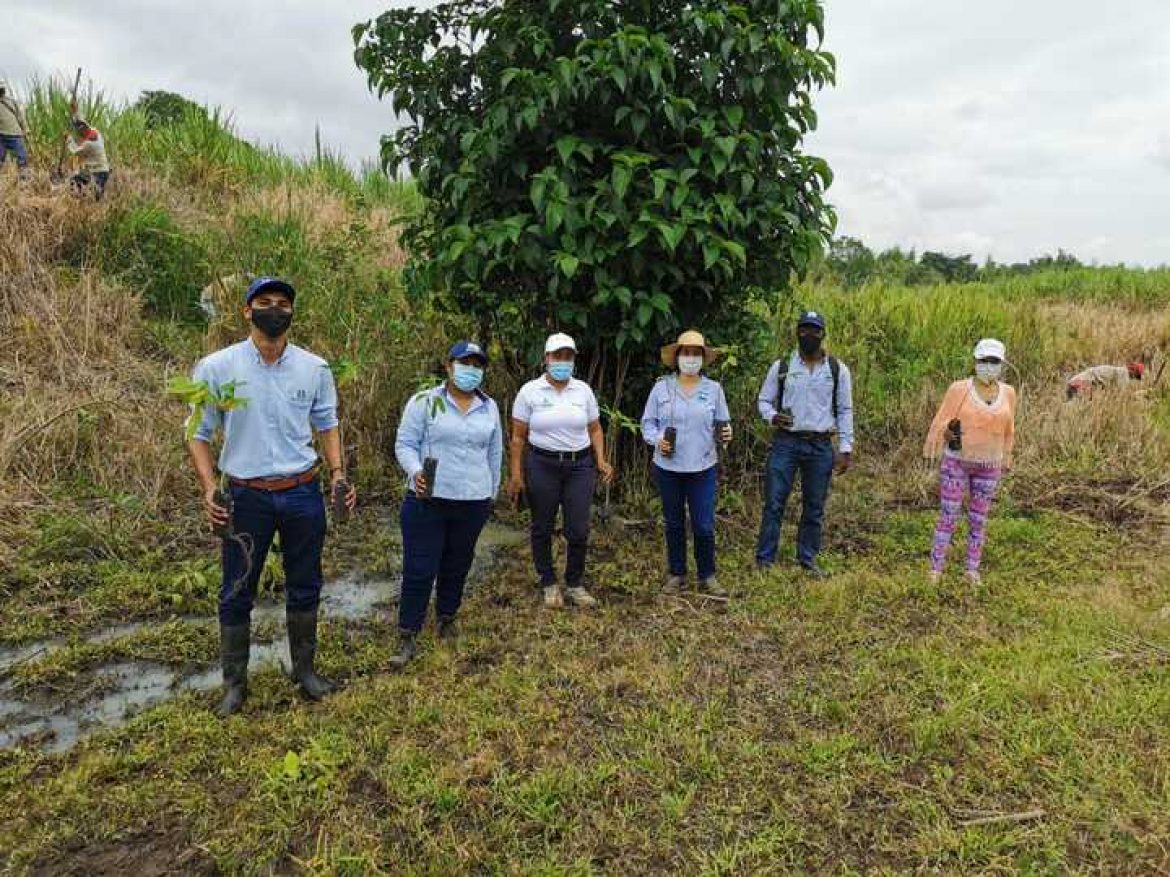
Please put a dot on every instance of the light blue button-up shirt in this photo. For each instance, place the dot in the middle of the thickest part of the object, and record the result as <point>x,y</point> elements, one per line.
<point>468,445</point>
<point>809,395</point>
<point>693,416</point>
<point>271,434</point>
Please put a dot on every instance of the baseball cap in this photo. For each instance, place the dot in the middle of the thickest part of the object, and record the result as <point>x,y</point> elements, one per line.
<point>559,341</point>
<point>467,348</point>
<point>269,284</point>
<point>990,348</point>
<point>811,318</point>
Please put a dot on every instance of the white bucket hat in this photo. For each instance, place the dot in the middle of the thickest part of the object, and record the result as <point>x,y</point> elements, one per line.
<point>559,341</point>
<point>989,348</point>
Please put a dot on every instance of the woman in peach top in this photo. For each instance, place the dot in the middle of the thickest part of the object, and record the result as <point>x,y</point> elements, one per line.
<point>973,432</point>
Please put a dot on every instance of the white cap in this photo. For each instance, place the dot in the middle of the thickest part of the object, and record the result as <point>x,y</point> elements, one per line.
<point>989,347</point>
<point>559,341</point>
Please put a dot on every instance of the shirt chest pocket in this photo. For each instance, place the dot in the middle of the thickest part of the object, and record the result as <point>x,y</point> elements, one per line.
<point>295,402</point>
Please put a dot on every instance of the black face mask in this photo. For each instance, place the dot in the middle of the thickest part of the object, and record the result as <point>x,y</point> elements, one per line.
<point>273,322</point>
<point>809,344</point>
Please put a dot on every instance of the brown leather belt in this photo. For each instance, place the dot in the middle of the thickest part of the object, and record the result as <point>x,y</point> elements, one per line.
<point>274,485</point>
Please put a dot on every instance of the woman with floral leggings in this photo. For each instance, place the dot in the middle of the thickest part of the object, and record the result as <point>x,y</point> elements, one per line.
<point>973,432</point>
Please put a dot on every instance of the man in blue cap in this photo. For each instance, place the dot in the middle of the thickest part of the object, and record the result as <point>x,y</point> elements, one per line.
<point>273,472</point>
<point>807,399</point>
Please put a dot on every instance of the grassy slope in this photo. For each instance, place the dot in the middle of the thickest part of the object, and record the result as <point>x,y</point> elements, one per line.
<point>849,726</point>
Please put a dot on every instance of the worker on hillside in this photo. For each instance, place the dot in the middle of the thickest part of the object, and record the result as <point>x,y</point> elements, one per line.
<point>88,149</point>
<point>1100,377</point>
<point>272,468</point>
<point>13,131</point>
<point>808,399</point>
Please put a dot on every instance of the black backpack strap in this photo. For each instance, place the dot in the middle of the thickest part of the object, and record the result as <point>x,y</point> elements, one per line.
<point>835,371</point>
<point>782,372</point>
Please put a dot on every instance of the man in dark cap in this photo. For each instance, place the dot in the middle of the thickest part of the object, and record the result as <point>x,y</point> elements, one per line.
<point>808,399</point>
<point>273,476</point>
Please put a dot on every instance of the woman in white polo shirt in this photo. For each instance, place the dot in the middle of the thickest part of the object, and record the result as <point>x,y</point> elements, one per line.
<point>558,451</point>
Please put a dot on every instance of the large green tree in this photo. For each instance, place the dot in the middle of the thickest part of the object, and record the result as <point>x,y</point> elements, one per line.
<point>613,169</point>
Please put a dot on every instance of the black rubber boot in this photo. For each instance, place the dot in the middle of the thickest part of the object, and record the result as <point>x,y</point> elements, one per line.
<point>407,649</point>
<point>447,629</point>
<point>235,643</point>
<point>302,648</point>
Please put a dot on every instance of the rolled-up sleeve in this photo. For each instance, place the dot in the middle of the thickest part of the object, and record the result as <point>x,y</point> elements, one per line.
<point>651,428</point>
<point>408,441</point>
<point>766,403</point>
<point>323,414</point>
<point>522,407</point>
<point>591,407</point>
<point>845,411</point>
<point>496,450</point>
<point>722,412</point>
<point>211,417</point>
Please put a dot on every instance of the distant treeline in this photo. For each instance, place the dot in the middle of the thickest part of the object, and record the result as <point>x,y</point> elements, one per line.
<point>851,263</point>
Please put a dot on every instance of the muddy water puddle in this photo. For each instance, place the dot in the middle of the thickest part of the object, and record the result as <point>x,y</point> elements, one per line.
<point>127,687</point>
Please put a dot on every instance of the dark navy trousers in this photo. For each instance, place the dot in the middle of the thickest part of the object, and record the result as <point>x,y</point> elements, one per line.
<point>438,547</point>
<point>298,515</point>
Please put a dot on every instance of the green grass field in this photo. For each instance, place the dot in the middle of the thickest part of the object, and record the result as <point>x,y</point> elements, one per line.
<point>872,723</point>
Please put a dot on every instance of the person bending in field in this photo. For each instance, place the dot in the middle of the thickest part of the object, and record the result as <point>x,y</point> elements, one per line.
<point>273,475</point>
<point>88,148</point>
<point>973,433</point>
<point>1101,377</point>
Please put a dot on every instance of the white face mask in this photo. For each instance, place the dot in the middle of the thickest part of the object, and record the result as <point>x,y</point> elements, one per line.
<point>988,372</point>
<point>690,365</point>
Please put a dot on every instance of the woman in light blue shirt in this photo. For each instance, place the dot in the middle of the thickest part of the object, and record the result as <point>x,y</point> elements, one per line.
<point>450,435</point>
<point>685,420</point>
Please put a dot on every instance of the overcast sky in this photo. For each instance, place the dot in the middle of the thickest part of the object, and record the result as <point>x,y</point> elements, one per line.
<point>1010,127</point>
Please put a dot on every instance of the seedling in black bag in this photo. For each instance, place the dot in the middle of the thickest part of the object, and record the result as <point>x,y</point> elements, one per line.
<point>223,499</point>
<point>430,467</point>
<point>955,440</point>
<point>340,509</point>
<point>671,435</point>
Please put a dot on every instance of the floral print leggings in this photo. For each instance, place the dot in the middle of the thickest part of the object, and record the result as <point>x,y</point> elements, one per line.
<point>980,481</point>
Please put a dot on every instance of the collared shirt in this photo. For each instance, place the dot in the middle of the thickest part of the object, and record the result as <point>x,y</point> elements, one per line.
<point>12,121</point>
<point>558,420</point>
<point>693,416</point>
<point>809,395</point>
<point>468,445</point>
<point>271,434</point>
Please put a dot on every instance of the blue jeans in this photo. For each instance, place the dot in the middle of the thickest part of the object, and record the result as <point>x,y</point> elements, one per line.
<point>813,459</point>
<point>438,547</point>
<point>15,145</point>
<point>696,490</point>
<point>298,515</point>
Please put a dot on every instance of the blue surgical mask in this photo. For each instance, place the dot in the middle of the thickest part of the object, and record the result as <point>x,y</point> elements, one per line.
<point>561,371</point>
<point>467,377</point>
